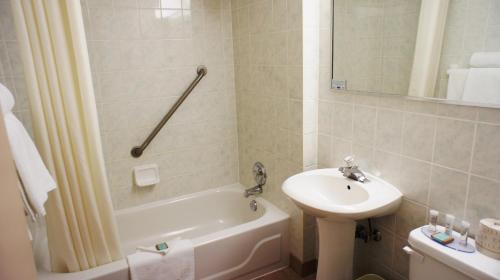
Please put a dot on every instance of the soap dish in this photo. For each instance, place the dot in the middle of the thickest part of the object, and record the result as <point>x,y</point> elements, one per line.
<point>146,175</point>
<point>455,244</point>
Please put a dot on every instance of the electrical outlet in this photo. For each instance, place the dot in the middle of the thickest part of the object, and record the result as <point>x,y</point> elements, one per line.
<point>339,84</point>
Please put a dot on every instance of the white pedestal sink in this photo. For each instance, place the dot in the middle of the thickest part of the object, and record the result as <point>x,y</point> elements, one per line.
<point>337,202</point>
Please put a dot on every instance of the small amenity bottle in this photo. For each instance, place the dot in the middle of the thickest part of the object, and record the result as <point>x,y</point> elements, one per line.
<point>465,233</point>
<point>433,219</point>
<point>450,219</point>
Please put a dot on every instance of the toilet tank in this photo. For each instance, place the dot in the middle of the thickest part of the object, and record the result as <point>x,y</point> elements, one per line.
<point>429,268</point>
<point>431,260</point>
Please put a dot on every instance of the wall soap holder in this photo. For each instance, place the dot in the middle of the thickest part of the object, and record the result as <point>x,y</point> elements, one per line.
<point>146,175</point>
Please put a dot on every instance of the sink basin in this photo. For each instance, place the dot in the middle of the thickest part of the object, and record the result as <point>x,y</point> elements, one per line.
<point>326,193</point>
<point>336,202</point>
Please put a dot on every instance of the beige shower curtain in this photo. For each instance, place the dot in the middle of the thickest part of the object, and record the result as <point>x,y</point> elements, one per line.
<point>80,224</point>
<point>430,35</point>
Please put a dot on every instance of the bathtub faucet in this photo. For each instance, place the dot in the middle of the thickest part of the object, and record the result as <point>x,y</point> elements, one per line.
<point>260,176</point>
<point>254,191</point>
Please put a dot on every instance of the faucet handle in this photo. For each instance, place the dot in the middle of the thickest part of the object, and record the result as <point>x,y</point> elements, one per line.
<point>259,173</point>
<point>349,161</point>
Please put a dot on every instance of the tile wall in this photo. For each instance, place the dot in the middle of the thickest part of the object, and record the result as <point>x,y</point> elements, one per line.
<point>11,67</point>
<point>269,90</point>
<point>471,26</point>
<point>440,156</point>
<point>143,55</point>
<point>443,157</point>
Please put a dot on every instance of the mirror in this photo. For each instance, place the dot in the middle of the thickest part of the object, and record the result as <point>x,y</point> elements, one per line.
<point>444,49</point>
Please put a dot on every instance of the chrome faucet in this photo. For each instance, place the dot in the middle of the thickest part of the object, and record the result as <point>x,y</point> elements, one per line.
<point>254,191</point>
<point>352,171</point>
<point>260,176</point>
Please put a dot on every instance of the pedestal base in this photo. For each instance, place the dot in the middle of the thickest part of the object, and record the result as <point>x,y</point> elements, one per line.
<point>336,249</point>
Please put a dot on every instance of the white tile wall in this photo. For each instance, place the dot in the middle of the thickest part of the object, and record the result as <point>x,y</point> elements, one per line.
<point>11,68</point>
<point>270,103</point>
<point>143,56</point>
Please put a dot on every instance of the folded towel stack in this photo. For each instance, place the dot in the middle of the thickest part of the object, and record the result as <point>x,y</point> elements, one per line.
<point>485,60</point>
<point>35,177</point>
<point>482,86</point>
<point>478,84</point>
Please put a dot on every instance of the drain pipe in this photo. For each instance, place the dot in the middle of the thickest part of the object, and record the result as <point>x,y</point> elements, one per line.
<point>367,235</point>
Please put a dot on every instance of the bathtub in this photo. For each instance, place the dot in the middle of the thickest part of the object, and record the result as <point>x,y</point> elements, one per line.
<point>231,241</point>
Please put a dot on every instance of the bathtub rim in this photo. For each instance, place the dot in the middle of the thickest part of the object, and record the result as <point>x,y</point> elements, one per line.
<point>271,213</point>
<point>236,187</point>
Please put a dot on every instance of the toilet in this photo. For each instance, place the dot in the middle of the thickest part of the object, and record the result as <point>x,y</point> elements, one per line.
<point>430,260</point>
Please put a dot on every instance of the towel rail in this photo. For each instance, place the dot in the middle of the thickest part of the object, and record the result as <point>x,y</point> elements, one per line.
<point>138,150</point>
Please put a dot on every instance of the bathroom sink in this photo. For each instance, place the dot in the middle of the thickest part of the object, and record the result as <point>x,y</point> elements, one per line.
<point>326,193</point>
<point>336,202</point>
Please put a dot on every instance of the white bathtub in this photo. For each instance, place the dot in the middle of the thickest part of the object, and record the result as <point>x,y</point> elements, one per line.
<point>231,241</point>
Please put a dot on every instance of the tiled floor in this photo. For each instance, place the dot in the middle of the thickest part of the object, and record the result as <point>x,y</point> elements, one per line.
<point>285,274</point>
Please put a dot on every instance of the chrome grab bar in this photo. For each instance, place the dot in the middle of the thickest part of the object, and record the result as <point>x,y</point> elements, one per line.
<point>138,150</point>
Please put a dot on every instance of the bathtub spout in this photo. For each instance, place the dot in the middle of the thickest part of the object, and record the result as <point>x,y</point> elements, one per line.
<point>254,191</point>
<point>260,176</point>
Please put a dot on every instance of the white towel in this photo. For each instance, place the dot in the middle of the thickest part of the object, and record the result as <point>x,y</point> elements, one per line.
<point>6,100</point>
<point>483,86</point>
<point>485,60</point>
<point>28,210</point>
<point>35,177</point>
<point>177,264</point>
<point>456,83</point>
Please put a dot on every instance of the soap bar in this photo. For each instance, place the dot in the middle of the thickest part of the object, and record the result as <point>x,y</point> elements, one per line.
<point>161,246</point>
<point>442,238</point>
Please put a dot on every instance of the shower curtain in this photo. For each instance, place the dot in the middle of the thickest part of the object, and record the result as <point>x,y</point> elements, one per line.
<point>430,34</point>
<point>81,228</point>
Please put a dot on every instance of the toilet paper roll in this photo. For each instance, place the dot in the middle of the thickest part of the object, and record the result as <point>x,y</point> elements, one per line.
<point>488,238</point>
